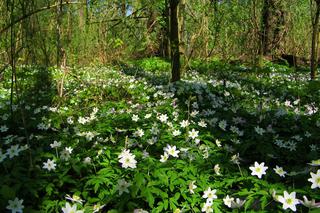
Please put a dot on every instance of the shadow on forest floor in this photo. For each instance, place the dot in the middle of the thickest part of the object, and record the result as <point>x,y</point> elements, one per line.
<point>35,88</point>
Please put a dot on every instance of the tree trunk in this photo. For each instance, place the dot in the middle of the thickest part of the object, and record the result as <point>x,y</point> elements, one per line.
<point>182,13</point>
<point>123,7</point>
<point>266,28</point>
<point>205,26</point>
<point>279,26</point>
<point>315,40</point>
<point>272,27</point>
<point>82,17</point>
<point>164,33</point>
<point>12,55</point>
<point>151,28</point>
<point>58,31</point>
<point>174,40</point>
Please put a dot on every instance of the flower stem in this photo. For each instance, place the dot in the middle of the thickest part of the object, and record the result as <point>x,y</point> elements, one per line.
<point>240,169</point>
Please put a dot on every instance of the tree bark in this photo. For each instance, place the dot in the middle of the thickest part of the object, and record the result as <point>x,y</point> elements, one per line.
<point>123,8</point>
<point>58,31</point>
<point>182,13</point>
<point>12,56</point>
<point>164,32</point>
<point>174,40</point>
<point>272,26</point>
<point>266,27</point>
<point>315,41</point>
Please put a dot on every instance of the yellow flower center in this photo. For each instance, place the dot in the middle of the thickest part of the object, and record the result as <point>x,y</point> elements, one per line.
<point>289,201</point>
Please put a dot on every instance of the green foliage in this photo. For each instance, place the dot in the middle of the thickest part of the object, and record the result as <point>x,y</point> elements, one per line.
<point>153,64</point>
<point>95,122</point>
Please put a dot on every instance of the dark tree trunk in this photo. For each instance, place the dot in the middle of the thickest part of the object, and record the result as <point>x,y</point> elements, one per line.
<point>164,33</point>
<point>174,40</point>
<point>315,40</point>
<point>266,27</point>
<point>272,26</point>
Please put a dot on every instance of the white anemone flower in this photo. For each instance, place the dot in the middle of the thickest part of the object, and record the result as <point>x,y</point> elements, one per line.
<point>71,209</point>
<point>315,179</point>
<point>289,200</point>
<point>258,169</point>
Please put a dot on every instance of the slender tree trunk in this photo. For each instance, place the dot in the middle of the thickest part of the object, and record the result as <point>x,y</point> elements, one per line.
<point>12,55</point>
<point>151,24</point>
<point>217,26</point>
<point>58,32</point>
<point>82,17</point>
<point>205,25</point>
<point>182,13</point>
<point>123,7</point>
<point>315,41</point>
<point>174,40</point>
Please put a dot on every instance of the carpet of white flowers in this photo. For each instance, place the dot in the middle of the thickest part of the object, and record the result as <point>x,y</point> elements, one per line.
<point>124,140</point>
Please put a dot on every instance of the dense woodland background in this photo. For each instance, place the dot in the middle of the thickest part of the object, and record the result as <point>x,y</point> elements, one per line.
<point>86,32</point>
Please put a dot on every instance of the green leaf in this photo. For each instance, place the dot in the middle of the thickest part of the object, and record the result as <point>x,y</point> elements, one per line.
<point>166,204</point>
<point>7,192</point>
<point>49,188</point>
<point>216,207</point>
<point>139,180</point>
<point>172,203</point>
<point>177,196</point>
<point>315,211</point>
<point>148,195</point>
<point>264,202</point>
<point>160,207</point>
<point>159,192</point>
<point>249,202</point>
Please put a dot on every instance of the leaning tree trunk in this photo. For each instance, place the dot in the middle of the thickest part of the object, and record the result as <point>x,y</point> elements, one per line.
<point>315,40</point>
<point>174,40</point>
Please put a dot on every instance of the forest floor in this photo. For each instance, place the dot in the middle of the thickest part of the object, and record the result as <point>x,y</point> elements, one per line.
<point>225,138</point>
